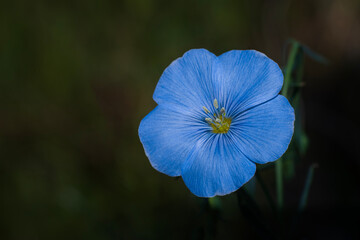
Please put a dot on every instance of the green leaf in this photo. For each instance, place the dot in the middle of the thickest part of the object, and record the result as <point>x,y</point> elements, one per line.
<point>305,193</point>
<point>315,56</point>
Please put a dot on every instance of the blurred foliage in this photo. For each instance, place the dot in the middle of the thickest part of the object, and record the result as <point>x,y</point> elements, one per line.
<point>76,77</point>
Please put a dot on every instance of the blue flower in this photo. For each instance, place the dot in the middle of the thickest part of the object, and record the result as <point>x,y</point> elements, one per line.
<point>216,118</point>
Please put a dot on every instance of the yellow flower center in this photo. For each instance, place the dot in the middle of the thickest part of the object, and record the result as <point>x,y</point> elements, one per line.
<point>221,127</point>
<point>218,121</point>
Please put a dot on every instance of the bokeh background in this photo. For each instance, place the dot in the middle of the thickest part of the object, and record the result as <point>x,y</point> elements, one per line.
<point>76,78</point>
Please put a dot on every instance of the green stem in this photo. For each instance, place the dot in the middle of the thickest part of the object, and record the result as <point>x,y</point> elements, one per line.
<point>279,163</point>
<point>289,67</point>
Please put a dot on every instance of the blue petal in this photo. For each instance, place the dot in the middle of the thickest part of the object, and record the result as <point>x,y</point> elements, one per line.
<point>264,132</point>
<point>216,167</point>
<point>167,136</point>
<point>187,81</point>
<point>244,79</point>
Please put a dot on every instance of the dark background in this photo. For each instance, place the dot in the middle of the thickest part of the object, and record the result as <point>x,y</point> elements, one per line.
<point>76,78</point>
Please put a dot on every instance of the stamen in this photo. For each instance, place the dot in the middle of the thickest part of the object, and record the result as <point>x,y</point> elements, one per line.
<point>216,105</point>
<point>206,110</point>
<point>222,111</point>
<point>218,120</point>
<point>209,120</point>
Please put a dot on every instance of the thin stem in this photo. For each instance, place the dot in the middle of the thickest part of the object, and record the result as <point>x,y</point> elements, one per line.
<point>279,163</point>
<point>289,67</point>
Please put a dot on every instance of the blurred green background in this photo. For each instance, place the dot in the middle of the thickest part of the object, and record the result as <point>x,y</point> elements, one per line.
<point>76,78</point>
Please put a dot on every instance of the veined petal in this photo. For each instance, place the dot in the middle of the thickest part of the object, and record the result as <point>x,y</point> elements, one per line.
<point>264,132</point>
<point>216,166</point>
<point>168,136</point>
<point>244,79</point>
<point>187,81</point>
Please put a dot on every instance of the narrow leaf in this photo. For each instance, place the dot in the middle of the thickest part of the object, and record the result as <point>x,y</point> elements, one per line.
<point>315,56</point>
<point>305,193</point>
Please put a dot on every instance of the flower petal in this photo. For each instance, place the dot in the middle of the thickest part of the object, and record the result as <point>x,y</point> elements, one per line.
<point>168,136</point>
<point>244,79</point>
<point>187,81</point>
<point>264,132</point>
<point>216,167</point>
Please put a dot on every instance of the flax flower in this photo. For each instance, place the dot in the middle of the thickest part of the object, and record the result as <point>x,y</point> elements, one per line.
<point>217,117</point>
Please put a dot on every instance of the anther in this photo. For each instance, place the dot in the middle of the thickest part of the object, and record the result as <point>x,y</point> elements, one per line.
<point>206,110</point>
<point>218,120</point>
<point>216,105</point>
<point>209,120</point>
<point>222,111</point>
